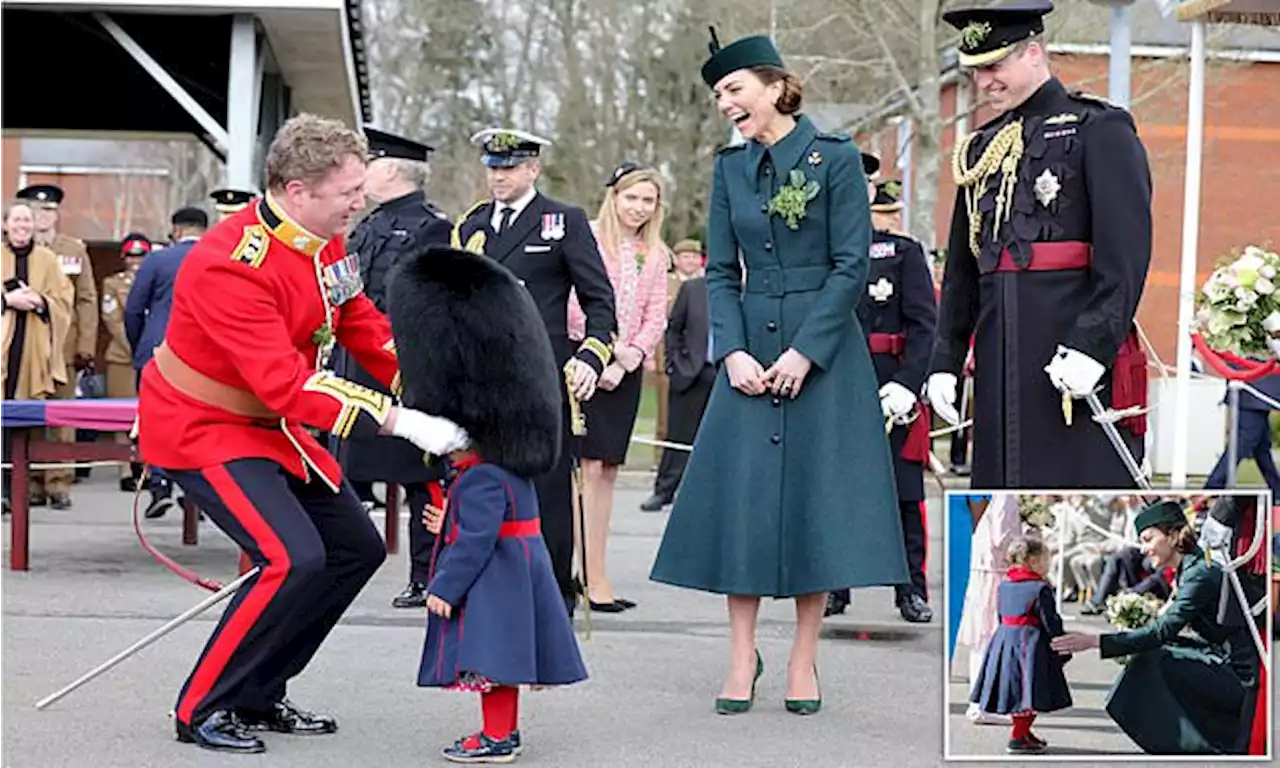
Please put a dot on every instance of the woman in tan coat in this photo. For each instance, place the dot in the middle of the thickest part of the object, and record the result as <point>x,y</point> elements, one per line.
<point>37,315</point>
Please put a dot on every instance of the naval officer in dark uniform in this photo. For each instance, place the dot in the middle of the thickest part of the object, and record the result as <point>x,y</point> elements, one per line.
<point>1049,248</point>
<point>404,222</point>
<point>898,312</point>
<point>550,249</point>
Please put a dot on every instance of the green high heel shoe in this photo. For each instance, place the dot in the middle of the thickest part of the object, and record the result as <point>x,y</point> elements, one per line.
<point>807,706</point>
<point>740,706</point>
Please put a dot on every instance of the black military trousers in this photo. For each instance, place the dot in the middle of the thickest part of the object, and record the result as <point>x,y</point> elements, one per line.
<point>316,550</point>
<point>422,543</point>
<point>555,505</point>
<point>684,415</point>
<point>915,538</point>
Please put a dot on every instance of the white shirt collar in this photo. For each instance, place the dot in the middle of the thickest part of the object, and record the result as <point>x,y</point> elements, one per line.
<point>518,206</point>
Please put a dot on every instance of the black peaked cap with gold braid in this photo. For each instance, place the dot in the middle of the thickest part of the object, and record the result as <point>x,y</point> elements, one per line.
<point>473,349</point>
<point>989,34</point>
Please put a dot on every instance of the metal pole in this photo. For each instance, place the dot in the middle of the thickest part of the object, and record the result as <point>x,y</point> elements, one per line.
<point>1190,237</point>
<point>1118,74</point>
<point>242,127</point>
<point>191,613</point>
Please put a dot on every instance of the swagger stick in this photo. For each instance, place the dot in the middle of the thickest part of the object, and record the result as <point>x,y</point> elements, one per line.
<point>189,614</point>
<point>578,428</point>
<point>1106,421</point>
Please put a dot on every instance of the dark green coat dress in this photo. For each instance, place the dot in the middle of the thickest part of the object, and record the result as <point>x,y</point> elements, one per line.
<point>1184,694</point>
<point>788,497</point>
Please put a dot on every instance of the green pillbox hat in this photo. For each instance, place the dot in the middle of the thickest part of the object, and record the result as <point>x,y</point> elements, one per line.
<point>747,52</point>
<point>1161,513</point>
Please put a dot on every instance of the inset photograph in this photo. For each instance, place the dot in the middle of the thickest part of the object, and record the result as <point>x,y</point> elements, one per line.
<point>1109,625</point>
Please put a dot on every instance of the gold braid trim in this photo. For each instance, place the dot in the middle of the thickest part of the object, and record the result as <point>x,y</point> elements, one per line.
<point>1002,154</point>
<point>597,348</point>
<point>355,399</point>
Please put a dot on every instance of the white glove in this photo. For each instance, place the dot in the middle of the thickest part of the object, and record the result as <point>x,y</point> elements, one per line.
<point>940,389</point>
<point>430,433</point>
<point>1215,535</point>
<point>1074,372</point>
<point>896,400</point>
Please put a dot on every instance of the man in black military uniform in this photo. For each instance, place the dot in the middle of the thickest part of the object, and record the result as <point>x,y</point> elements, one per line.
<point>229,201</point>
<point>403,222</point>
<point>1045,266</point>
<point>898,313</point>
<point>550,248</point>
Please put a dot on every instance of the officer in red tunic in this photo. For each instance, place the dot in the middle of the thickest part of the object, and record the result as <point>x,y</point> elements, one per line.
<point>226,408</point>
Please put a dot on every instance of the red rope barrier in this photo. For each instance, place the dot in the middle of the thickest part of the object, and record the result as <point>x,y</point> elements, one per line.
<point>1223,362</point>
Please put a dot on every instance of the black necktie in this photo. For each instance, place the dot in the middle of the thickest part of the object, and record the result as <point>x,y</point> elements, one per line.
<point>505,220</point>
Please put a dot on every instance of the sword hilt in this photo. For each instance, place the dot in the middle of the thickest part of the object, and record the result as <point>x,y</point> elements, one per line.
<point>577,421</point>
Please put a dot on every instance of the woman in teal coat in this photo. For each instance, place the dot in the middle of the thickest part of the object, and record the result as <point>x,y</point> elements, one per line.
<point>789,491</point>
<point>1181,694</point>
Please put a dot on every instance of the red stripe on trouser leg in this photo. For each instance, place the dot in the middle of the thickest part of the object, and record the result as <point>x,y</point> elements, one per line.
<point>256,599</point>
<point>924,564</point>
<point>1022,725</point>
<point>499,706</point>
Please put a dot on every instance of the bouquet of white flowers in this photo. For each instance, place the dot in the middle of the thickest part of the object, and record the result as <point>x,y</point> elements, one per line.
<point>1130,610</point>
<point>1035,512</point>
<point>1238,309</point>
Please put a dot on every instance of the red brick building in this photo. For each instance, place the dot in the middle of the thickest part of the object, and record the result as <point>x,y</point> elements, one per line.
<point>1241,155</point>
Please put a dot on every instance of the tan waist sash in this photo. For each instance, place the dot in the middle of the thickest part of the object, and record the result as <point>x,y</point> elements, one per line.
<point>197,386</point>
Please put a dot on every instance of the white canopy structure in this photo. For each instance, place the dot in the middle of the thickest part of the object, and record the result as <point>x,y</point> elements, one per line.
<point>227,71</point>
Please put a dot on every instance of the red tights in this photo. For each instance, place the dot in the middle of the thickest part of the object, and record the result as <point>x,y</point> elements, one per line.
<point>1022,724</point>
<point>501,709</point>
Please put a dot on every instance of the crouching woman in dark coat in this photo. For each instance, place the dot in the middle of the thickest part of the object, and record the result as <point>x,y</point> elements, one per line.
<point>471,343</point>
<point>1181,693</point>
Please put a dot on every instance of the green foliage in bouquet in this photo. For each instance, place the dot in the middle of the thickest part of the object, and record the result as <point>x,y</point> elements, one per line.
<point>1239,305</point>
<point>1128,611</point>
<point>1035,512</point>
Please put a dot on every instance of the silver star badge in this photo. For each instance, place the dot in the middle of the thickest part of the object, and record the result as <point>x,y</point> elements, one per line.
<point>1047,187</point>
<point>880,290</point>
<point>815,159</point>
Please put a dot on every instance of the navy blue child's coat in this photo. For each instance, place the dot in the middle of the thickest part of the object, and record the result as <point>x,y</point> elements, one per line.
<point>1020,672</point>
<point>509,625</point>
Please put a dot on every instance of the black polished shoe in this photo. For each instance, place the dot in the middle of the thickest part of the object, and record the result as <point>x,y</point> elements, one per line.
<point>915,610</point>
<point>836,604</point>
<point>625,603</point>
<point>413,596</point>
<point>613,607</point>
<point>221,731</point>
<point>655,503</point>
<point>285,717</point>
<point>60,501</point>
<point>128,484</point>
<point>37,500</point>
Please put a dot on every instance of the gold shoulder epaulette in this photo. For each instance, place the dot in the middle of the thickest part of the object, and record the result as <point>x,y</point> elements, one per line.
<point>253,245</point>
<point>475,243</point>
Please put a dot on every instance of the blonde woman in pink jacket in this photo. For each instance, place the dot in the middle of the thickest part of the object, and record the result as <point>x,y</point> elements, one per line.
<point>629,231</point>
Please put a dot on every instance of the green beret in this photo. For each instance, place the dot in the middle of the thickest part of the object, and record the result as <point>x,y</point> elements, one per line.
<point>748,52</point>
<point>1161,513</point>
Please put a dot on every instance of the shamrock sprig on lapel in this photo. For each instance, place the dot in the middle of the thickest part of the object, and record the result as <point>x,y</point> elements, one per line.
<point>793,199</point>
<point>322,336</point>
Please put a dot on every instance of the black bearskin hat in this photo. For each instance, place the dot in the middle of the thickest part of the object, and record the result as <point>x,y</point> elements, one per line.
<point>473,349</point>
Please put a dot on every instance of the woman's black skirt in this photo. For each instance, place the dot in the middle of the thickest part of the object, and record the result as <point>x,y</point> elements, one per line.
<point>610,418</point>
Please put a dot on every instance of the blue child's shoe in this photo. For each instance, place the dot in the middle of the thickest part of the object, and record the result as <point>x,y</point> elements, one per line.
<point>479,748</point>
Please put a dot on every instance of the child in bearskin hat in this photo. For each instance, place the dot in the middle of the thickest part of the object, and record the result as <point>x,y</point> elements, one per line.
<point>473,349</point>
